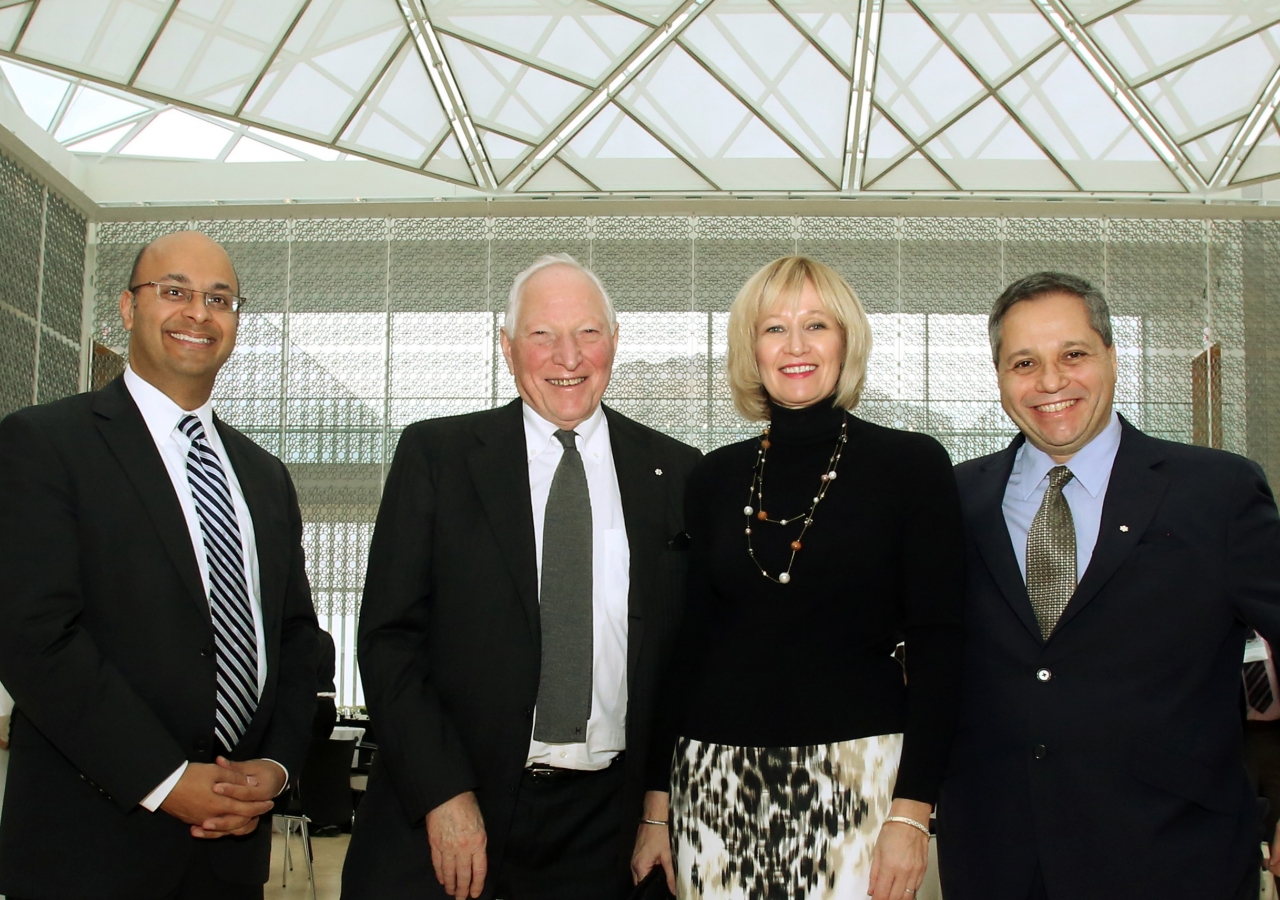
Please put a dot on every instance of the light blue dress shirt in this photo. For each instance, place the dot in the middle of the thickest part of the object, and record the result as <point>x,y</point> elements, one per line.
<point>1084,493</point>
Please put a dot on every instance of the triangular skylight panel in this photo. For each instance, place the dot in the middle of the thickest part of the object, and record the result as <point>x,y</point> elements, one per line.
<point>556,176</point>
<point>693,112</point>
<point>1220,88</point>
<point>1207,151</point>
<point>102,39</point>
<point>503,152</point>
<point>327,65</point>
<point>885,146</point>
<point>402,119</point>
<point>580,39</point>
<point>1063,106</point>
<point>38,93</point>
<point>995,36</point>
<point>1154,36</point>
<point>655,11</point>
<point>210,55</point>
<point>249,150</point>
<point>11,19</point>
<point>1090,10</point>
<point>305,148</point>
<point>780,73</point>
<point>1263,160</point>
<point>174,134</point>
<point>915,173</point>
<point>831,23</point>
<point>618,154</point>
<point>104,142</point>
<point>919,81</point>
<point>449,162</point>
<point>92,110</point>
<point>987,150</point>
<point>509,95</point>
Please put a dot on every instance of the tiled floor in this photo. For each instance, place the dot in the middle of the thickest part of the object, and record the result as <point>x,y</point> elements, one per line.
<point>329,854</point>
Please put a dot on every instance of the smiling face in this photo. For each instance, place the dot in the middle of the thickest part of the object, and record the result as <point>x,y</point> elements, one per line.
<point>799,350</point>
<point>561,354</point>
<point>1057,377</point>
<point>179,347</point>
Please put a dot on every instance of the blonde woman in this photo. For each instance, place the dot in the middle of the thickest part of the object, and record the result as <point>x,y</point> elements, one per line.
<point>798,762</point>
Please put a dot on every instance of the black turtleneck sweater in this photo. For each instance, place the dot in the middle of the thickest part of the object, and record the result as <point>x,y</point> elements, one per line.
<point>811,662</point>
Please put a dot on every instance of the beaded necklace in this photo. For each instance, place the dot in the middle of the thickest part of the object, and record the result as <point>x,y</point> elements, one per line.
<point>756,495</point>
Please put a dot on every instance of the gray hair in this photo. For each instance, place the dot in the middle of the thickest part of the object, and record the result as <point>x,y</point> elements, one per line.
<point>1040,284</point>
<point>545,262</point>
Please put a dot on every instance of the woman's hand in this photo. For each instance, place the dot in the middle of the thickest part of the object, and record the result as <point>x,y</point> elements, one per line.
<point>901,855</point>
<point>653,842</point>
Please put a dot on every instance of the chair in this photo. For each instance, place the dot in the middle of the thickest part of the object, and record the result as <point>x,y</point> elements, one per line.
<point>324,788</point>
<point>300,822</point>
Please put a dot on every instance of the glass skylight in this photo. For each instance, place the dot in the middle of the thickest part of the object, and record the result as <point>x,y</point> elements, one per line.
<point>637,96</point>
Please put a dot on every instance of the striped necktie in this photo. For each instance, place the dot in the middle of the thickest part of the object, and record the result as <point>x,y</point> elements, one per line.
<point>234,639</point>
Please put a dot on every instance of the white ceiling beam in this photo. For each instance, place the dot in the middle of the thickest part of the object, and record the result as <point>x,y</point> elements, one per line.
<point>621,76</point>
<point>1111,81</point>
<point>455,106</point>
<point>865,49</point>
<point>1248,134</point>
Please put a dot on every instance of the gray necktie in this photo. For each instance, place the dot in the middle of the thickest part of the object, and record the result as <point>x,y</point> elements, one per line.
<point>564,689</point>
<point>1051,554</point>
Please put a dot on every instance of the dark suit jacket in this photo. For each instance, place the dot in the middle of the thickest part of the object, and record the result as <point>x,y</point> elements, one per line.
<point>106,644</point>
<point>1110,755</point>
<point>449,638</point>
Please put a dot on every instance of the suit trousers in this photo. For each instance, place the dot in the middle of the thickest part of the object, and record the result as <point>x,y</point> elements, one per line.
<point>1262,760</point>
<point>565,838</point>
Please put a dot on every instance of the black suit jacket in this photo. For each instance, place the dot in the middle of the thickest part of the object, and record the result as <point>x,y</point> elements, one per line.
<point>449,636</point>
<point>106,644</point>
<point>1110,755</point>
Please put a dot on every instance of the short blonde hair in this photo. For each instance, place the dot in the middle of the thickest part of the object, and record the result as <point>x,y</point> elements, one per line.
<point>783,280</point>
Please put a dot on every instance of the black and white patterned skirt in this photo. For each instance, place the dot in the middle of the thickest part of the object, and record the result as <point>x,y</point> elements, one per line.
<point>779,823</point>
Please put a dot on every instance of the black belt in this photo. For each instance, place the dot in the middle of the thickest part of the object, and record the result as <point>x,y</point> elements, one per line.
<point>547,773</point>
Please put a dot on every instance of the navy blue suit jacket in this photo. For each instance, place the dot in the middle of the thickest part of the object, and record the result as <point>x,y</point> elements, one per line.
<point>1110,754</point>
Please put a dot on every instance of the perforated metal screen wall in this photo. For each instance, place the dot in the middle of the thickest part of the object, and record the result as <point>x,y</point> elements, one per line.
<point>42,244</point>
<point>357,327</point>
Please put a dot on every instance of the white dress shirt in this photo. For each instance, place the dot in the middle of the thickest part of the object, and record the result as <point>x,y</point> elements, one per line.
<point>610,577</point>
<point>1085,492</point>
<point>162,416</point>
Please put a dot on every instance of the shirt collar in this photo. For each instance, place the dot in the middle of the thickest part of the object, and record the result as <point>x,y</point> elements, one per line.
<point>1091,465</point>
<point>539,434</point>
<point>159,411</point>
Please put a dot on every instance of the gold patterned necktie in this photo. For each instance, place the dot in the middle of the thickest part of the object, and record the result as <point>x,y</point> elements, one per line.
<point>1051,554</point>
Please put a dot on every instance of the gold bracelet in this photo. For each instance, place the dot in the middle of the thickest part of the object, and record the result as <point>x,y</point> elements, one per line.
<point>903,820</point>
<point>652,822</point>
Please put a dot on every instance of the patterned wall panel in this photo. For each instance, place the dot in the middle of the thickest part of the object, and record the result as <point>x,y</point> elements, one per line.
<point>356,328</point>
<point>40,304</point>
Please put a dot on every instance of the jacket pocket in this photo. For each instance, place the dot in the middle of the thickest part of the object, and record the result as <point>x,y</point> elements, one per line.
<point>1215,787</point>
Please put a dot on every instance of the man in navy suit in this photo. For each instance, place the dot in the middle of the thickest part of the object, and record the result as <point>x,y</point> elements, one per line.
<point>1112,580</point>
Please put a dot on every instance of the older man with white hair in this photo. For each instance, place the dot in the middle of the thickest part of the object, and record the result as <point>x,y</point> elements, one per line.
<point>522,591</point>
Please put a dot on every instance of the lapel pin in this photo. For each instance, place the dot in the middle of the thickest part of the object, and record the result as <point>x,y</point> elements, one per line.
<point>657,471</point>
<point>1124,528</point>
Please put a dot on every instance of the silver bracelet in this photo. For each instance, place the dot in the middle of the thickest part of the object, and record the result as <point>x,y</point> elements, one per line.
<point>919,826</point>
<point>652,822</point>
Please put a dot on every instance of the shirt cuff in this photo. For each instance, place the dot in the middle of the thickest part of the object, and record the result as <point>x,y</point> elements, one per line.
<point>152,801</point>
<point>282,769</point>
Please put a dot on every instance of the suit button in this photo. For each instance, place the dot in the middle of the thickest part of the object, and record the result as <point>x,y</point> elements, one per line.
<point>528,712</point>
<point>1044,675</point>
<point>1041,751</point>
<point>206,652</point>
<point>202,745</point>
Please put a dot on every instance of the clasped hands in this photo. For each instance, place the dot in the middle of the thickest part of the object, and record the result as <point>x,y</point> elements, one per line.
<point>225,797</point>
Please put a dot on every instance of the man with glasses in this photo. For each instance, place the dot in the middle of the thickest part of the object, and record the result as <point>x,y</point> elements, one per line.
<point>156,627</point>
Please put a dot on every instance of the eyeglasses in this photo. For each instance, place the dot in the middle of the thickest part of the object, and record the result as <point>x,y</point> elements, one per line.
<point>176,293</point>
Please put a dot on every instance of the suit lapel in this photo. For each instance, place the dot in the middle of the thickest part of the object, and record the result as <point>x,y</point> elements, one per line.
<point>991,535</point>
<point>126,434</point>
<point>1134,494</point>
<point>635,468</point>
<point>500,473</point>
<point>268,527</point>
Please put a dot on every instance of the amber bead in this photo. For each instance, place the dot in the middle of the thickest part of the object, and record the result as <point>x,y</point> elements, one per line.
<point>765,444</point>
<point>795,545</point>
<point>762,515</point>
